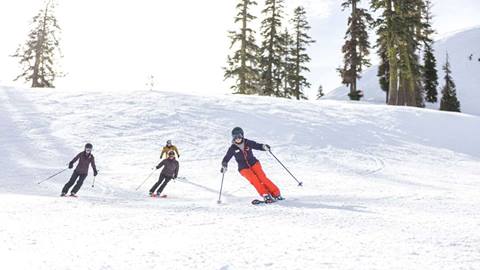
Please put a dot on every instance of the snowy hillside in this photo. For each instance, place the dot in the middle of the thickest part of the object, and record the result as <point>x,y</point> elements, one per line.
<point>384,187</point>
<point>460,47</point>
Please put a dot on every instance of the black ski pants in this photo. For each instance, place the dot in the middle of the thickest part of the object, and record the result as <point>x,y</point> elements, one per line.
<point>70,183</point>
<point>162,182</point>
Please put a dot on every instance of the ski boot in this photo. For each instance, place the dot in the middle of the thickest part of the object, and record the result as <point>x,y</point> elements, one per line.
<point>63,194</point>
<point>73,195</point>
<point>278,198</point>
<point>268,198</point>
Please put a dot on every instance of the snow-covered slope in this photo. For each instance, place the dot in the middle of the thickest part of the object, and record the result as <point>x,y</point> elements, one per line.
<point>384,187</point>
<point>460,46</point>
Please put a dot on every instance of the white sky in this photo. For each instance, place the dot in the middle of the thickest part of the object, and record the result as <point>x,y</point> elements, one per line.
<point>183,43</point>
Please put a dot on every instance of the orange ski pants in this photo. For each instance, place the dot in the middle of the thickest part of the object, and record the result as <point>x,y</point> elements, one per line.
<point>260,181</point>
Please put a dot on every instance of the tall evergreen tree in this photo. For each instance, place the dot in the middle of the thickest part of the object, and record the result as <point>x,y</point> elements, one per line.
<point>41,50</point>
<point>286,64</point>
<point>356,48</point>
<point>449,101</point>
<point>430,75</point>
<point>271,49</point>
<point>398,27</point>
<point>243,64</point>
<point>383,70</point>
<point>301,40</point>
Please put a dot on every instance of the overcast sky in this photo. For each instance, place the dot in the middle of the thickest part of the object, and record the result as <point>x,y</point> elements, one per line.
<point>117,44</point>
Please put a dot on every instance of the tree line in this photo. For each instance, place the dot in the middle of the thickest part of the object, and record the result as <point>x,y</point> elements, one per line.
<point>277,65</point>
<point>404,35</point>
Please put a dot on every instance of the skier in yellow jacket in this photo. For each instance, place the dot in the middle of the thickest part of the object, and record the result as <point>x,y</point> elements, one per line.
<point>167,148</point>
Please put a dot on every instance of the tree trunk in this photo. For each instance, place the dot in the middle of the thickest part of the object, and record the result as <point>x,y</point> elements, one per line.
<point>243,69</point>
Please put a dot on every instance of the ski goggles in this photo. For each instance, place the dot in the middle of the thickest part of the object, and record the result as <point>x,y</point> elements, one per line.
<point>237,136</point>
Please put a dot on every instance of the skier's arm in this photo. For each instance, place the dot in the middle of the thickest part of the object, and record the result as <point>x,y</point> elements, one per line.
<point>160,164</point>
<point>176,170</point>
<point>226,159</point>
<point>163,152</point>
<point>70,164</point>
<point>94,167</point>
<point>256,146</point>
<point>176,151</point>
<point>228,156</point>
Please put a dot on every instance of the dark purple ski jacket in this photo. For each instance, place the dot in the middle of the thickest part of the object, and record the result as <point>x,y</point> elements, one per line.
<point>244,157</point>
<point>84,160</point>
<point>171,167</point>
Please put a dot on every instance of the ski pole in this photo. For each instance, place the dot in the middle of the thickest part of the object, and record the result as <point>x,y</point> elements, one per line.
<point>93,184</point>
<point>221,187</point>
<point>299,183</point>
<point>145,179</point>
<point>50,177</point>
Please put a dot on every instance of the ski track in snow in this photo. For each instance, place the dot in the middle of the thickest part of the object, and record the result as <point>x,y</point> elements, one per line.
<point>383,189</point>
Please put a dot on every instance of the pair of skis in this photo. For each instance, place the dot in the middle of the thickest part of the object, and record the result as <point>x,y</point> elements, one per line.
<point>158,196</point>
<point>257,202</point>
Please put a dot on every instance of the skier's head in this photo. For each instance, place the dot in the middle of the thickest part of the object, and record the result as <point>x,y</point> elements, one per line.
<point>169,143</point>
<point>88,147</point>
<point>171,154</point>
<point>237,134</point>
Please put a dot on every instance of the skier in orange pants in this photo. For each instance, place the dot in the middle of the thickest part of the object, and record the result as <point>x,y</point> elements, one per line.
<point>249,167</point>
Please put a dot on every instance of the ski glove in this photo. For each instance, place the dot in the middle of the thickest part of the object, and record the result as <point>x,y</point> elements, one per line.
<point>95,173</point>
<point>70,165</point>
<point>266,147</point>
<point>158,167</point>
<point>223,169</point>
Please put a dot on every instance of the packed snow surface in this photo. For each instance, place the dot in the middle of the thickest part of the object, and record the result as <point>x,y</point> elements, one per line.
<point>384,187</point>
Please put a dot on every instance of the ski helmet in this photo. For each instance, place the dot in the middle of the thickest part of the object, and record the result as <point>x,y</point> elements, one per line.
<point>88,146</point>
<point>169,142</point>
<point>171,153</point>
<point>237,132</point>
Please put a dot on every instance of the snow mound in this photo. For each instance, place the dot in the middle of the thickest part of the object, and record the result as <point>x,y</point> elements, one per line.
<point>384,187</point>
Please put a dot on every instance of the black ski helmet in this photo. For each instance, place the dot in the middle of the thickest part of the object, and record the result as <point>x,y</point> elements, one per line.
<point>171,153</point>
<point>237,131</point>
<point>88,146</point>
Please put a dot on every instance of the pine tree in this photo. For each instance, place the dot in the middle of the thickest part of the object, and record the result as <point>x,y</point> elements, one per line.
<point>301,40</point>
<point>286,64</point>
<point>243,64</point>
<point>41,50</point>
<point>356,48</point>
<point>320,93</point>
<point>398,29</point>
<point>271,49</point>
<point>449,101</point>
<point>383,70</point>
<point>430,75</point>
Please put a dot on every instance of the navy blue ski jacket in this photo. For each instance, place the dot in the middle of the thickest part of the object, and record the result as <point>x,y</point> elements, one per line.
<point>244,157</point>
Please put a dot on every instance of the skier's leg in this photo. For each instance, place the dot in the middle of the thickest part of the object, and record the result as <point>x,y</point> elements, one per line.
<point>253,179</point>
<point>155,186</point>
<point>269,185</point>
<point>70,183</point>
<point>164,184</point>
<point>79,184</point>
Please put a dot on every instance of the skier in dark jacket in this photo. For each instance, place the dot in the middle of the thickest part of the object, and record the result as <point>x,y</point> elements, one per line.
<point>169,172</point>
<point>249,167</point>
<point>85,159</point>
